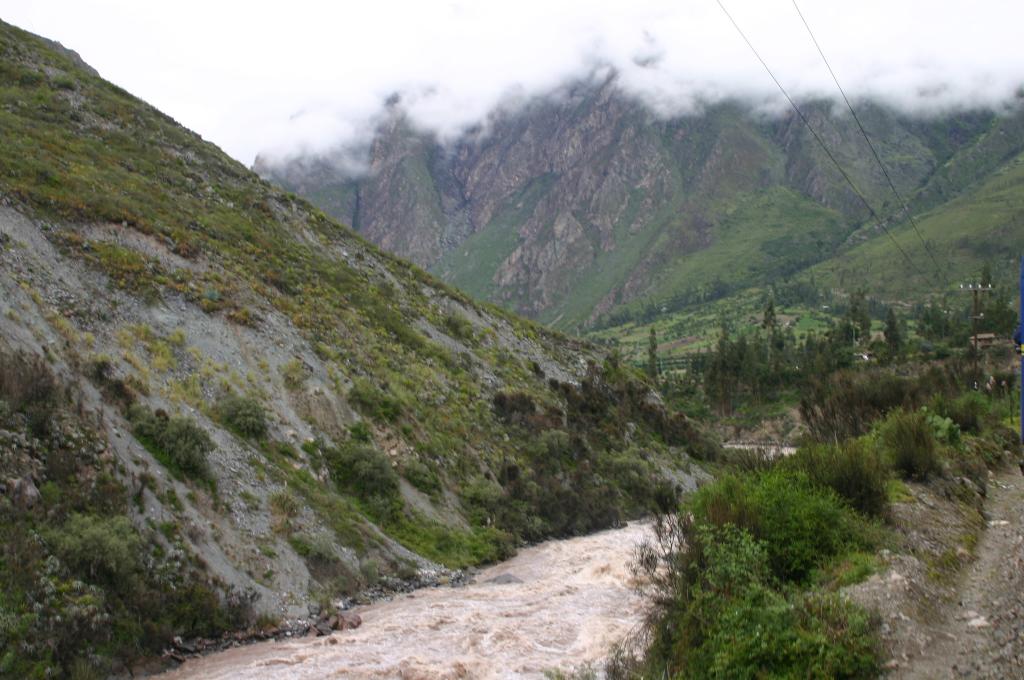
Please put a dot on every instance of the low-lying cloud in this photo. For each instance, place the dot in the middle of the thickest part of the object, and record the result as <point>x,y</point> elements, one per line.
<point>307,76</point>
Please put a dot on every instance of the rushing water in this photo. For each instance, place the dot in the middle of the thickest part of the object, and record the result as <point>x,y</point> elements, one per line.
<point>557,605</point>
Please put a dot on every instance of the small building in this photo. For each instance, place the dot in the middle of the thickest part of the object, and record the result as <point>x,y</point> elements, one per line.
<point>983,340</point>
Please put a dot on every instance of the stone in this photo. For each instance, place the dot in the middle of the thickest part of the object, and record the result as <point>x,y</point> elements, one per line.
<point>23,492</point>
<point>504,579</point>
<point>349,621</point>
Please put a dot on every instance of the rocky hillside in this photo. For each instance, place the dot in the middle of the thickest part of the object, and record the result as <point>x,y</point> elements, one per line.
<point>584,200</point>
<point>217,402</point>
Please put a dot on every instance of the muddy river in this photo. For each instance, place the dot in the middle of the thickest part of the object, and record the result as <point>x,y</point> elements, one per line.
<point>556,605</point>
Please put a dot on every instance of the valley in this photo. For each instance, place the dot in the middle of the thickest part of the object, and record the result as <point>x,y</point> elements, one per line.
<point>589,388</point>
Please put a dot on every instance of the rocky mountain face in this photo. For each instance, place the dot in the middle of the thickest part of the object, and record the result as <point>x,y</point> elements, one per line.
<point>216,402</point>
<point>576,202</point>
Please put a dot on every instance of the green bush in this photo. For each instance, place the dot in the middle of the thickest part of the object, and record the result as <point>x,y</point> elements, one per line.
<point>175,441</point>
<point>294,374</point>
<point>107,549</point>
<point>27,386</point>
<point>968,411</point>
<point>363,470</point>
<point>638,480</point>
<point>459,327</point>
<point>245,416</point>
<point>846,403</point>
<point>853,469</point>
<point>721,614</point>
<point>909,442</point>
<point>374,402</point>
<point>421,476</point>
<point>801,524</point>
<point>944,428</point>
<point>763,633</point>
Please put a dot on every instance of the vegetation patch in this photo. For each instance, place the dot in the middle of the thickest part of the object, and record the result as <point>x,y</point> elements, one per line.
<point>176,441</point>
<point>245,416</point>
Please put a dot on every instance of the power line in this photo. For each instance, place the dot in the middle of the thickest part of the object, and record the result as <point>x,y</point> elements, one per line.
<point>874,152</point>
<point>819,140</point>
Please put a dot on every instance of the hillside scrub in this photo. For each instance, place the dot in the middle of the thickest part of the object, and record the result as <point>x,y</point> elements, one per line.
<point>244,416</point>
<point>721,611</point>
<point>362,470</point>
<point>908,439</point>
<point>801,525</point>
<point>854,469</point>
<point>745,576</point>
<point>176,441</point>
<point>84,588</point>
<point>151,214</point>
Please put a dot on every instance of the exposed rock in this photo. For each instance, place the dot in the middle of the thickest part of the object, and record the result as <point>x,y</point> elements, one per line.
<point>503,579</point>
<point>23,492</point>
<point>588,176</point>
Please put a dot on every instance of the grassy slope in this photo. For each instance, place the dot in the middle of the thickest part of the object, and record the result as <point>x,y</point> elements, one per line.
<point>80,150</point>
<point>473,265</point>
<point>970,212</point>
<point>983,224</point>
<point>767,236</point>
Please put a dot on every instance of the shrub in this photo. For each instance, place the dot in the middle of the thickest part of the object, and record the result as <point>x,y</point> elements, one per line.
<point>945,430</point>
<point>363,470</point>
<point>908,440</point>
<point>846,404</point>
<point>801,524</point>
<point>101,371</point>
<point>421,476</point>
<point>107,549</point>
<point>720,614</point>
<point>763,633</point>
<point>513,407</point>
<point>360,432</point>
<point>294,374</point>
<point>967,411</point>
<point>245,416</point>
<point>374,402</point>
<point>176,441</point>
<point>28,387</point>
<point>459,327</point>
<point>638,480</point>
<point>284,504</point>
<point>853,469</point>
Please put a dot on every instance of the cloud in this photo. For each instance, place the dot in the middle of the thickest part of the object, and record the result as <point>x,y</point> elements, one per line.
<point>308,76</point>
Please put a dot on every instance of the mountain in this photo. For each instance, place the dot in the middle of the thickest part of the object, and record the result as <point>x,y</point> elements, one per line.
<point>216,402</point>
<point>584,202</point>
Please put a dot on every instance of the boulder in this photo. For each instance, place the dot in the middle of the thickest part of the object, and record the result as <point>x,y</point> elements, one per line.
<point>504,579</point>
<point>349,621</point>
<point>23,493</point>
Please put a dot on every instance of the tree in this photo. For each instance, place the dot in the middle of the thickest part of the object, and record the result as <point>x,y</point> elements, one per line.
<point>859,316</point>
<point>652,354</point>
<point>893,335</point>
<point>769,321</point>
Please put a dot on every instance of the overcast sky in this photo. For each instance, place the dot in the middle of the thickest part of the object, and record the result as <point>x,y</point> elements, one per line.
<point>286,76</point>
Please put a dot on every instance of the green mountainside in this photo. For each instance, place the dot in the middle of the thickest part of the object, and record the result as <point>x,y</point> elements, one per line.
<point>218,402</point>
<point>582,208</point>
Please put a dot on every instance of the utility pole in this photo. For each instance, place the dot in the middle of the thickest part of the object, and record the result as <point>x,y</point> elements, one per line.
<point>1019,339</point>
<point>976,290</point>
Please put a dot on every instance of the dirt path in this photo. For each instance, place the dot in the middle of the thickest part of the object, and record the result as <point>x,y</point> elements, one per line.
<point>981,634</point>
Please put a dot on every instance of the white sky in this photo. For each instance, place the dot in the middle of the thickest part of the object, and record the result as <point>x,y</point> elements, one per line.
<point>303,75</point>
